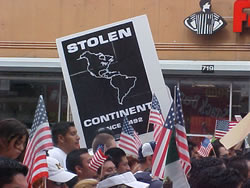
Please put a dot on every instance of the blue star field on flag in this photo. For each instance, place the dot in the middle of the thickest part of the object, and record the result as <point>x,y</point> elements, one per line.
<point>155,104</point>
<point>170,120</point>
<point>127,128</point>
<point>179,112</point>
<point>40,116</point>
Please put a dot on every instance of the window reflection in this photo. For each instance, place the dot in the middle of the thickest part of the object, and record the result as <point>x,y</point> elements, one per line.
<point>205,101</point>
<point>18,99</point>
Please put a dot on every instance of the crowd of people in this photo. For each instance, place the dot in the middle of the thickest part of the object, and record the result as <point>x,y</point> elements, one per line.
<point>68,164</point>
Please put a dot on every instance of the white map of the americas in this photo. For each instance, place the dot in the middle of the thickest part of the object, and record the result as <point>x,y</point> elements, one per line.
<point>98,67</point>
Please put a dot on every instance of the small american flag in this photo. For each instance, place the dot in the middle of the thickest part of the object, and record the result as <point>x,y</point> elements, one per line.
<point>98,159</point>
<point>156,118</point>
<point>129,139</point>
<point>181,137</point>
<point>205,147</point>
<point>39,141</point>
<point>223,126</point>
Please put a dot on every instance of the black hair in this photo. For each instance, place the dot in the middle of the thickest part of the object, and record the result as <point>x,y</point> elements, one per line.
<point>217,145</point>
<point>198,165</point>
<point>100,168</point>
<point>203,2</point>
<point>191,146</point>
<point>8,169</point>
<point>115,154</point>
<point>216,177</point>
<point>246,184</point>
<point>239,163</point>
<point>12,128</point>
<point>140,156</point>
<point>74,158</point>
<point>60,128</point>
<point>247,155</point>
<point>104,130</point>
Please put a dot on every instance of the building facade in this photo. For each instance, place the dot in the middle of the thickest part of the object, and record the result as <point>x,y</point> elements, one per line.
<point>212,70</point>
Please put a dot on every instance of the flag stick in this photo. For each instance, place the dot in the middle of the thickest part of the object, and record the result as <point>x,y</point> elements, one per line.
<point>148,127</point>
<point>148,117</point>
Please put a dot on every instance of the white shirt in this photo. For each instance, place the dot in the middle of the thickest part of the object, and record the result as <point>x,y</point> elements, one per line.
<point>60,155</point>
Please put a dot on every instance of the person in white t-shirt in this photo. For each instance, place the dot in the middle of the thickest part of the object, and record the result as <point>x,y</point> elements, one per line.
<point>66,139</point>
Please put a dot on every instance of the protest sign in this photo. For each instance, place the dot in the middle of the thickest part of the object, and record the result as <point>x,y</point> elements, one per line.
<point>111,72</point>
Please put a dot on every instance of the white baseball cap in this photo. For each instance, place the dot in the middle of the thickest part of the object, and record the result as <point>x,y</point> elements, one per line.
<point>57,172</point>
<point>125,178</point>
<point>147,149</point>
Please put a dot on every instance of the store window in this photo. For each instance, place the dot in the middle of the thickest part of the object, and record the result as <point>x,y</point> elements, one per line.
<point>206,100</point>
<point>19,97</point>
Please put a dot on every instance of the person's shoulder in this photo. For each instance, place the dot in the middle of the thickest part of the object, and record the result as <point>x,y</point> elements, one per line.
<point>56,152</point>
<point>143,177</point>
<point>147,178</point>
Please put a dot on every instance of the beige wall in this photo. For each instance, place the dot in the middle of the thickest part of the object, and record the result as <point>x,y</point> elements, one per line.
<point>28,28</point>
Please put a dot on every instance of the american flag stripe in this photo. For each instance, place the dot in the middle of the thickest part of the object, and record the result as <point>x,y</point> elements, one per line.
<point>97,160</point>
<point>184,155</point>
<point>156,118</point>
<point>128,144</point>
<point>205,147</point>
<point>181,137</point>
<point>137,140</point>
<point>232,124</point>
<point>39,145</point>
<point>39,141</point>
<point>160,158</point>
<point>222,127</point>
<point>129,140</point>
<point>220,134</point>
<point>162,145</point>
<point>34,156</point>
<point>157,132</point>
<point>204,152</point>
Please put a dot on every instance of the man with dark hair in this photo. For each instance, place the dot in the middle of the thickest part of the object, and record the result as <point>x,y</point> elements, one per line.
<point>58,176</point>
<point>106,169</point>
<point>118,157</point>
<point>12,174</point>
<point>77,161</point>
<point>103,138</point>
<point>145,156</point>
<point>241,164</point>
<point>216,177</point>
<point>66,139</point>
<point>198,165</point>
